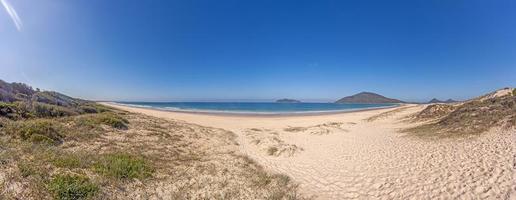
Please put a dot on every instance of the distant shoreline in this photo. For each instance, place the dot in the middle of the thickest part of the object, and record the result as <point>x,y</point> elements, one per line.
<point>253,114</point>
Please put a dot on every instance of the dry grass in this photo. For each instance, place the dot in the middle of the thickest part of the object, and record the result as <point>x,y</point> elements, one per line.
<point>433,112</point>
<point>270,143</point>
<point>472,118</point>
<point>320,129</point>
<point>149,158</point>
<point>385,114</point>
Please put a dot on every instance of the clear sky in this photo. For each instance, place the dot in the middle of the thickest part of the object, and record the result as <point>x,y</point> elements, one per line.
<point>259,49</point>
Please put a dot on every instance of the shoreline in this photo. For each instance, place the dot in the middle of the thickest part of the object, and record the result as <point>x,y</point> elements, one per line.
<point>254,114</point>
<point>360,155</point>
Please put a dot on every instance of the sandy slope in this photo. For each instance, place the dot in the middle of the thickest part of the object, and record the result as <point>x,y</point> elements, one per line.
<point>339,156</point>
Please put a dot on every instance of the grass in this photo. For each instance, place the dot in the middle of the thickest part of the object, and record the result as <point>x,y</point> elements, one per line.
<point>27,169</point>
<point>272,150</point>
<point>113,120</point>
<point>72,160</point>
<point>472,118</point>
<point>123,166</point>
<point>68,187</point>
<point>37,131</point>
<point>94,120</point>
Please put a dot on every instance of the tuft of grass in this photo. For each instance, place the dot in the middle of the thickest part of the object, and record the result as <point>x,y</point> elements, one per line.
<point>26,169</point>
<point>272,150</point>
<point>38,131</point>
<point>123,166</point>
<point>68,187</point>
<point>72,160</point>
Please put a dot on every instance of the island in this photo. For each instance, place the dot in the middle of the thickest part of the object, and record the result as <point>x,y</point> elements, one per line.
<point>367,98</point>
<point>287,101</point>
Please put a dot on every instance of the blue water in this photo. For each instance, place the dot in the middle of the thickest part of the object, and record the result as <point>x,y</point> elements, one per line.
<point>254,108</point>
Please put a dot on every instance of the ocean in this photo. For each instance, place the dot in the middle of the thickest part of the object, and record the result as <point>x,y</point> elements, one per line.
<point>254,107</point>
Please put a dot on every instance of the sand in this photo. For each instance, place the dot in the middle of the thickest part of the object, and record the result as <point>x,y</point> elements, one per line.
<point>361,155</point>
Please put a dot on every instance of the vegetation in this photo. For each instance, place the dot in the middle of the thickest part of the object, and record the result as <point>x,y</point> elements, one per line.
<point>123,166</point>
<point>47,110</point>
<point>107,118</point>
<point>38,130</point>
<point>473,117</point>
<point>68,187</point>
<point>56,147</point>
<point>72,160</point>
<point>272,150</point>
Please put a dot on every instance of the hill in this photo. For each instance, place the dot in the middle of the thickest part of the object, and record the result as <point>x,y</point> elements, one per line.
<point>496,109</point>
<point>20,101</point>
<point>367,97</point>
<point>287,101</point>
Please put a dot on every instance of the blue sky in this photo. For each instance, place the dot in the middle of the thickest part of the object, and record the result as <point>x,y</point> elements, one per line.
<point>259,50</point>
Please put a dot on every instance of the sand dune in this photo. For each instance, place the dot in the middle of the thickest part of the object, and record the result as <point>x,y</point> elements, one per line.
<point>365,157</point>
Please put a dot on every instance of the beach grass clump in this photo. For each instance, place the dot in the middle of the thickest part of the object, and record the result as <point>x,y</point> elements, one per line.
<point>68,187</point>
<point>27,169</point>
<point>295,129</point>
<point>272,150</point>
<point>123,166</point>
<point>37,131</point>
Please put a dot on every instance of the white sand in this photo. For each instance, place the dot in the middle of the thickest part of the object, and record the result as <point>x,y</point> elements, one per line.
<point>340,156</point>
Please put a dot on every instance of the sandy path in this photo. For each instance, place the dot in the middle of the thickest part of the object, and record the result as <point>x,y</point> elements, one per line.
<point>365,160</point>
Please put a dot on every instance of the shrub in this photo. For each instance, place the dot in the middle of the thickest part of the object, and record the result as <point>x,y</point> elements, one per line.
<point>113,120</point>
<point>94,120</point>
<point>47,110</point>
<point>40,130</point>
<point>15,111</point>
<point>123,166</point>
<point>514,92</point>
<point>72,187</point>
<point>87,109</point>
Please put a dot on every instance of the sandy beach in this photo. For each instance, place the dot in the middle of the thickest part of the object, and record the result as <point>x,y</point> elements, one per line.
<point>362,155</point>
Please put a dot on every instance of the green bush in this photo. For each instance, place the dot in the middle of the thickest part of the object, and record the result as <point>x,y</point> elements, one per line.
<point>113,120</point>
<point>514,92</point>
<point>75,187</point>
<point>87,109</point>
<point>15,111</point>
<point>94,120</point>
<point>47,110</point>
<point>39,130</point>
<point>123,166</point>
